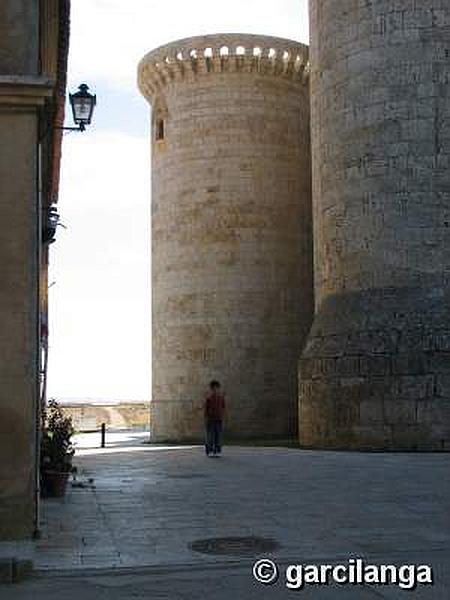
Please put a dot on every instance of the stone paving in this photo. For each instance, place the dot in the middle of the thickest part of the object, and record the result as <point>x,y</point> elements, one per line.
<point>146,504</point>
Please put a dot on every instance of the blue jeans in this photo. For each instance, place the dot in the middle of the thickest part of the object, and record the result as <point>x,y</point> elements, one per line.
<point>213,436</point>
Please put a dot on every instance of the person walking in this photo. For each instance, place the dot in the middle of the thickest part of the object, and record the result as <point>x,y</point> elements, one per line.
<point>214,415</point>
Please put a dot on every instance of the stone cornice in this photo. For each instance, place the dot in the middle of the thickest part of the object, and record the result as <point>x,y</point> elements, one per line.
<point>187,58</point>
<point>24,91</point>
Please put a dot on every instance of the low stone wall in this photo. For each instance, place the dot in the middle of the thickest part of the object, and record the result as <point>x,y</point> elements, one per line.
<point>126,415</point>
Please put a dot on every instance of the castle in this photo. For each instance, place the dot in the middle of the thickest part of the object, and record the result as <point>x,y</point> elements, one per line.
<point>237,230</point>
<point>354,352</point>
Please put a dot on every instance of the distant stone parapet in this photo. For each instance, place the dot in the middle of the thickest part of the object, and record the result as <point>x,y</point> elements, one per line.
<point>222,53</point>
<point>89,416</point>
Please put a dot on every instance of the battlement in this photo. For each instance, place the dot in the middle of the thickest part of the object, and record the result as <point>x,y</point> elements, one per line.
<point>230,52</point>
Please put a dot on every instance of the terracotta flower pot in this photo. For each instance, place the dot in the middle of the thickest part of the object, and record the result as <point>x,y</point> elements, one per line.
<point>54,483</point>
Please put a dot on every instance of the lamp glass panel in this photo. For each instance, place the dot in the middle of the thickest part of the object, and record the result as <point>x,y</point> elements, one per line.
<point>82,110</point>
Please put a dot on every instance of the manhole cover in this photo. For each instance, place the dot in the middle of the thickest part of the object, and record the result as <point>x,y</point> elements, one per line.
<point>235,546</point>
<point>187,476</point>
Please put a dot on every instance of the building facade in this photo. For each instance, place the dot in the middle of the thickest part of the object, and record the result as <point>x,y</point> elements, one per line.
<point>33,62</point>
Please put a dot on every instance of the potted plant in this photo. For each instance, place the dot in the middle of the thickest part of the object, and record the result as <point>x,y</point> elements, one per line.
<point>56,450</point>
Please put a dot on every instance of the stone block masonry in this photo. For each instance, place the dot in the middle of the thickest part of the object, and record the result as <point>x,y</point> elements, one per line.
<point>231,230</point>
<point>376,366</point>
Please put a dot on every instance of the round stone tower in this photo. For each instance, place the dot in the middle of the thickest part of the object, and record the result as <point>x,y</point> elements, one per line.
<point>231,230</point>
<point>376,368</point>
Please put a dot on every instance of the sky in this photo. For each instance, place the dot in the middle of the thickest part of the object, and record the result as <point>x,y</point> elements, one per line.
<point>100,278</point>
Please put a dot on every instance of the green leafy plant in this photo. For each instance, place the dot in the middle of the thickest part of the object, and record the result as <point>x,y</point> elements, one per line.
<point>56,446</point>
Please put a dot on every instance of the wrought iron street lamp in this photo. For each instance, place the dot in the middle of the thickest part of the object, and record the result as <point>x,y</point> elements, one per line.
<point>82,103</point>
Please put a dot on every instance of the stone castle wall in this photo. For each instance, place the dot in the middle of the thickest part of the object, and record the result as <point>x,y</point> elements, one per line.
<point>376,370</point>
<point>231,230</point>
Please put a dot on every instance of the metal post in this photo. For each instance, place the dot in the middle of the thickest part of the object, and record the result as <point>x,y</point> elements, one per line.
<point>103,435</point>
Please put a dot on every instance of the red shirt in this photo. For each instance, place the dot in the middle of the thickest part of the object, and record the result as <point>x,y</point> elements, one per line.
<point>215,406</point>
